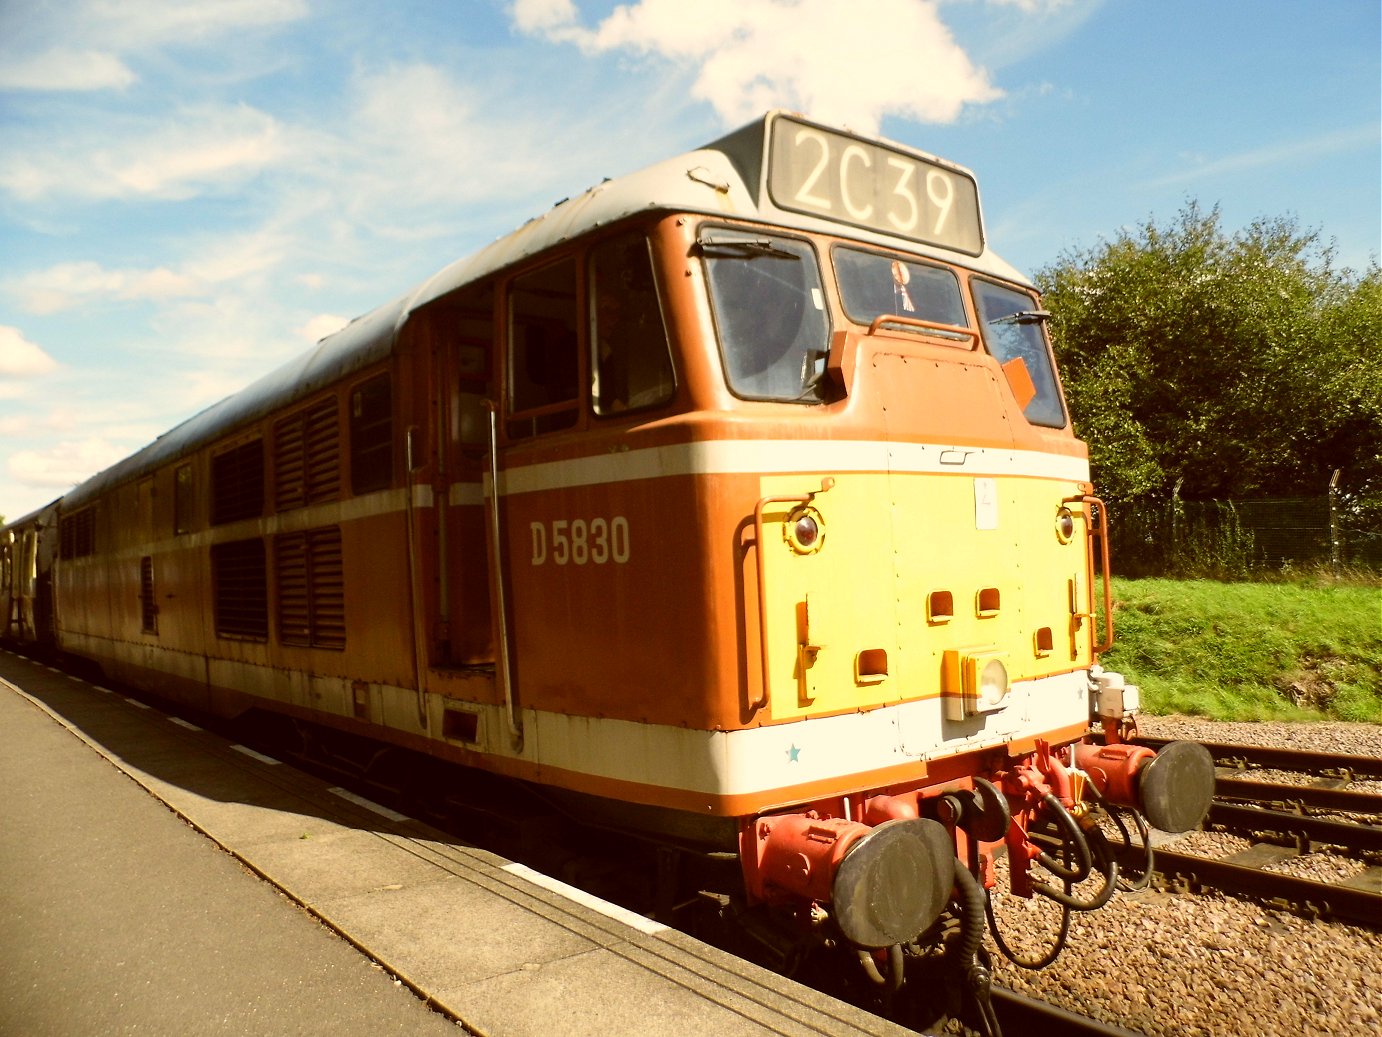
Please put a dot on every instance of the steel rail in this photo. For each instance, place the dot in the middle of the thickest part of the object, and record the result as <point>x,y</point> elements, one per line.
<point>1229,754</point>
<point>1342,902</point>
<point>1310,829</point>
<point>1021,1014</point>
<point>1314,797</point>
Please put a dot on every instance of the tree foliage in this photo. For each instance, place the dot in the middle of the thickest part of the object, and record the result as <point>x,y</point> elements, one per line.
<point>1239,365</point>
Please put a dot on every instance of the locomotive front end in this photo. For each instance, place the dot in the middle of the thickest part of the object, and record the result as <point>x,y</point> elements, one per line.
<point>926,570</point>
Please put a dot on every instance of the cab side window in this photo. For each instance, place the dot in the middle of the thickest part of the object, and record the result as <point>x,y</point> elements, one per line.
<point>631,364</point>
<point>544,359</point>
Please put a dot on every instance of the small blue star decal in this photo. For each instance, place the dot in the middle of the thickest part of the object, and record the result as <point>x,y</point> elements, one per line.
<point>792,754</point>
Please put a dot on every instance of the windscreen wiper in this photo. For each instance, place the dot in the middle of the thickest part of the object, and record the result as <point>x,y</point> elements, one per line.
<point>745,247</point>
<point>1024,317</point>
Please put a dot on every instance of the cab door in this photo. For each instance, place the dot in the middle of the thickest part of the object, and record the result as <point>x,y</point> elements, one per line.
<point>454,336</point>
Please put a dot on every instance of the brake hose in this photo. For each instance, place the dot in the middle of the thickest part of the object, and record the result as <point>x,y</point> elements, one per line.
<point>1092,849</point>
<point>1025,963</point>
<point>1074,838</point>
<point>1144,832</point>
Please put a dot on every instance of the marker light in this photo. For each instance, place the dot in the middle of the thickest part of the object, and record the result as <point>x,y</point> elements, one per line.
<point>1065,525</point>
<point>805,530</point>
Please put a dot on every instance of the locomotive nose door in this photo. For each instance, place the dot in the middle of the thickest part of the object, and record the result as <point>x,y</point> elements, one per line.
<point>946,426</point>
<point>826,603</point>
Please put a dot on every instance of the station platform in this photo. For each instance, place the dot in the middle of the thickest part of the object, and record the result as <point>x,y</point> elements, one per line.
<point>158,879</point>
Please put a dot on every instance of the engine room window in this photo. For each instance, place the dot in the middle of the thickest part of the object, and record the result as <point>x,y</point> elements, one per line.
<point>371,436</point>
<point>1012,327</point>
<point>874,284</point>
<point>774,331</point>
<point>237,483</point>
<point>310,581</point>
<point>240,590</point>
<point>77,534</point>
<point>148,601</point>
<point>183,498</point>
<point>544,361</point>
<point>631,364</point>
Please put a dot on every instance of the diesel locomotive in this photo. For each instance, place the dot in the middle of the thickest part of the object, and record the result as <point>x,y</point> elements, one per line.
<point>734,503</point>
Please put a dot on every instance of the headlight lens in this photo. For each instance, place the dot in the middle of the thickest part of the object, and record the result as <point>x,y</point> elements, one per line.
<point>993,684</point>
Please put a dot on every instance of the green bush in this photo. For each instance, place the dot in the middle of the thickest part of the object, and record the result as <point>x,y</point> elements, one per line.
<point>1304,650</point>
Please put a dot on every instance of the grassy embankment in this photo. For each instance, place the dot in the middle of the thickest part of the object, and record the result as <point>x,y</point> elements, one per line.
<point>1251,651</point>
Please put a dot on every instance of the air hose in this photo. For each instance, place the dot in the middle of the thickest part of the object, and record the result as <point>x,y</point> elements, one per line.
<point>1143,831</point>
<point>1092,853</point>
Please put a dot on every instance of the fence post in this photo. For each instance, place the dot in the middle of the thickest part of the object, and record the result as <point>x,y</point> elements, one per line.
<point>1175,522</point>
<point>1335,547</point>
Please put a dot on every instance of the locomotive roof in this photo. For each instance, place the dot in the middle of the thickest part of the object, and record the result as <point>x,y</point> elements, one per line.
<point>40,516</point>
<point>725,178</point>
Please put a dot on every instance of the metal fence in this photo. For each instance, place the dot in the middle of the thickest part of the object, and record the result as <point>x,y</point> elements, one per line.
<point>1234,538</point>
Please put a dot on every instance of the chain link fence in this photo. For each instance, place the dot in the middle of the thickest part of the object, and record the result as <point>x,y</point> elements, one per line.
<point>1227,539</point>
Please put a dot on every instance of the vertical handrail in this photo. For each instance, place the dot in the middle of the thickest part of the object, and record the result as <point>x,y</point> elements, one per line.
<point>420,662</point>
<point>501,604</point>
<point>801,498</point>
<point>1099,530</point>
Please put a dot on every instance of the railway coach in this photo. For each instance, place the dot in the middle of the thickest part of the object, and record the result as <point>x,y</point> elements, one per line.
<point>734,503</point>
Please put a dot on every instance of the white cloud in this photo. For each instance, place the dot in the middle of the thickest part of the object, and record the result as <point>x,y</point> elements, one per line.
<point>206,147</point>
<point>122,26</point>
<point>20,358</point>
<point>543,15</point>
<point>63,464</point>
<point>1033,6</point>
<point>63,68</point>
<point>67,285</point>
<point>847,63</point>
<point>237,257</point>
<point>1289,153</point>
<point>89,45</point>
<point>197,150</point>
<point>420,147</point>
<point>320,326</point>
<point>230,261</point>
<point>134,23</point>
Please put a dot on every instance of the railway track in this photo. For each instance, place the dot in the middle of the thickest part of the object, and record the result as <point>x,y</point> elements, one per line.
<point>1286,822</point>
<point>1022,1014</point>
<point>1341,767</point>
<point>1285,810</point>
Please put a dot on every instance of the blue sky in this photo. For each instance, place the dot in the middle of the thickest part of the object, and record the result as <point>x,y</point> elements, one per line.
<point>191,193</point>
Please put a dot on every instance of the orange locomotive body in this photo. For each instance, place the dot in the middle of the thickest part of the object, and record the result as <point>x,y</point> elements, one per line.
<point>734,501</point>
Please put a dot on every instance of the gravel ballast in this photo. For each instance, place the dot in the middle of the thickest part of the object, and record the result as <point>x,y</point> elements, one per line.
<point>1210,965</point>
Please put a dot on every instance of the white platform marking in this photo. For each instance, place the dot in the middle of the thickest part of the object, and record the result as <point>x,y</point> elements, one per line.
<point>368,804</point>
<point>580,896</point>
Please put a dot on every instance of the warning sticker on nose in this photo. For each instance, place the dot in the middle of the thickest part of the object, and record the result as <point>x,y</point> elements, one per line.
<point>985,504</point>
